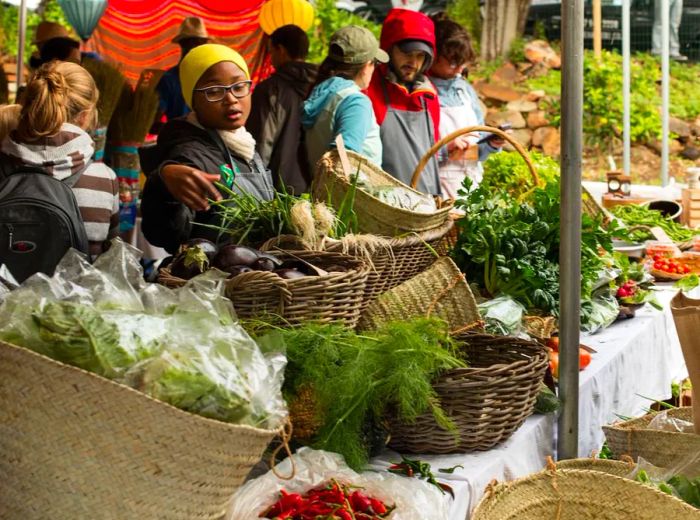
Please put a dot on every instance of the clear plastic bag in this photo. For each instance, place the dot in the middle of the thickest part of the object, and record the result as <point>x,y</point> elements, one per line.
<point>414,499</point>
<point>681,481</point>
<point>184,346</point>
<point>665,422</point>
<point>503,315</point>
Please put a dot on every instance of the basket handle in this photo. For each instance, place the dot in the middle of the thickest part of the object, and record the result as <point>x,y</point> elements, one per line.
<point>467,130</point>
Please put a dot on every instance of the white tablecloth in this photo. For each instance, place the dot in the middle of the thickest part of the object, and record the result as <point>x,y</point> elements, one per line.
<point>635,360</point>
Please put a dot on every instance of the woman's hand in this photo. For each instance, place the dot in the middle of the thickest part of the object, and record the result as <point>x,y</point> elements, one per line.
<point>190,186</point>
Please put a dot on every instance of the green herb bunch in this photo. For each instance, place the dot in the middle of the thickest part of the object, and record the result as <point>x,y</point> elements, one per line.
<point>510,245</point>
<point>360,379</point>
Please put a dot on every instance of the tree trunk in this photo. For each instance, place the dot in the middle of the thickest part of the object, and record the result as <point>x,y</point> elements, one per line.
<point>504,20</point>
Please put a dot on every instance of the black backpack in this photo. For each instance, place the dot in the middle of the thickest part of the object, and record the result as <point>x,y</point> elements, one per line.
<point>39,221</point>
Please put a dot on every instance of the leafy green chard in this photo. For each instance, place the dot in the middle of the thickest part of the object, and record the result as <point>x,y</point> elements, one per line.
<point>508,242</point>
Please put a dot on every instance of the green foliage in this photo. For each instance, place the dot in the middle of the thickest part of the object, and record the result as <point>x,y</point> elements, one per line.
<point>328,20</point>
<point>508,240</point>
<point>467,13</point>
<point>508,171</point>
<point>360,379</point>
<point>603,95</point>
<point>516,54</point>
<point>638,215</point>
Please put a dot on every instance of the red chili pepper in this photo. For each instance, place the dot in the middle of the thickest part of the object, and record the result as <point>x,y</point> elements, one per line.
<point>343,514</point>
<point>378,507</point>
<point>360,503</point>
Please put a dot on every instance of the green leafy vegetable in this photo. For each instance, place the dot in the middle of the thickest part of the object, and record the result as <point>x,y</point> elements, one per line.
<point>688,282</point>
<point>634,215</point>
<point>78,335</point>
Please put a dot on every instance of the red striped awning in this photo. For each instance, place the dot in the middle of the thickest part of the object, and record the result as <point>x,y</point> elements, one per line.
<point>137,34</point>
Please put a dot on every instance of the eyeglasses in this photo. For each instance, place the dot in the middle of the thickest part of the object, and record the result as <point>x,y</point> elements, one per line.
<point>218,92</point>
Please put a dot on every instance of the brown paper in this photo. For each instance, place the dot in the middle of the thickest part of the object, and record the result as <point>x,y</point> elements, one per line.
<point>686,314</point>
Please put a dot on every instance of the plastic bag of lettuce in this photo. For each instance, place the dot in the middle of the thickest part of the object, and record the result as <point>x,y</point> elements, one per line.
<point>183,346</point>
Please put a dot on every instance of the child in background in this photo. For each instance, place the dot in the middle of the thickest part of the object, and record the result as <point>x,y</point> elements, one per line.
<point>459,107</point>
<point>210,145</point>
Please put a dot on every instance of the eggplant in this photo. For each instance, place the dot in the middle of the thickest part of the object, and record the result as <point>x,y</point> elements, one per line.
<point>235,270</point>
<point>263,264</point>
<point>189,263</point>
<point>232,254</point>
<point>289,273</point>
<point>209,247</point>
<point>297,266</point>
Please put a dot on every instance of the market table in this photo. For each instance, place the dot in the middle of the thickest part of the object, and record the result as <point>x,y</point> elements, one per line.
<point>636,360</point>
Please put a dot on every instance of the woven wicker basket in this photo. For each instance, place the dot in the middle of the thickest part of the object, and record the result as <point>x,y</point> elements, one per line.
<point>374,216</point>
<point>487,401</point>
<point>335,297</point>
<point>440,291</point>
<point>75,445</point>
<point>570,494</point>
<point>660,448</point>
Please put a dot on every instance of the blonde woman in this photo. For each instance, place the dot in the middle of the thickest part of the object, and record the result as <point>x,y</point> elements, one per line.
<point>52,134</point>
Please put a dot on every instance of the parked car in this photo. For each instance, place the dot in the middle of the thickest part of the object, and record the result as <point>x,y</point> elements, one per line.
<point>546,15</point>
<point>377,9</point>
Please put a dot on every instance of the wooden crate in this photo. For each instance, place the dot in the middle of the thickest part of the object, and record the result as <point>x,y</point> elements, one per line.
<point>691,208</point>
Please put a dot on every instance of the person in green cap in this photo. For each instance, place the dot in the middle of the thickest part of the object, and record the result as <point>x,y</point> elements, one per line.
<point>337,105</point>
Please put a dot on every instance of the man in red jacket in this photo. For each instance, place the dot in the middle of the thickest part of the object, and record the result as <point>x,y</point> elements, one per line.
<point>405,101</point>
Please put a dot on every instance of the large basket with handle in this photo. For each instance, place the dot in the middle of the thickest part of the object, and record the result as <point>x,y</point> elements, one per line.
<point>451,239</point>
<point>374,216</point>
<point>76,445</point>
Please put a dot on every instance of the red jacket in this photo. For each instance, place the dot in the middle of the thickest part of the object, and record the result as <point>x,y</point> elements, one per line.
<point>404,24</point>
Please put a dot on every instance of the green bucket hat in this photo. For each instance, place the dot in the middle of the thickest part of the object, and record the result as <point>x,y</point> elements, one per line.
<point>355,44</point>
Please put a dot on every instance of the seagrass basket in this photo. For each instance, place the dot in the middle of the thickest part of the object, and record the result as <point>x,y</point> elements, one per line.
<point>660,448</point>
<point>374,216</point>
<point>487,401</point>
<point>441,290</point>
<point>75,445</point>
<point>570,494</point>
<point>332,297</point>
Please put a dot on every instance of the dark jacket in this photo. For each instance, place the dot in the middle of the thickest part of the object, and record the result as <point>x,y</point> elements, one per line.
<point>168,223</point>
<point>275,122</point>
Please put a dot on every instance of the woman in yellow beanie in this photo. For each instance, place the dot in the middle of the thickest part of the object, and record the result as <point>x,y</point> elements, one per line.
<point>209,145</point>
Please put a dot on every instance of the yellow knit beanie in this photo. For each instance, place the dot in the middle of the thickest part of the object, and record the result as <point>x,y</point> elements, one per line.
<point>198,61</point>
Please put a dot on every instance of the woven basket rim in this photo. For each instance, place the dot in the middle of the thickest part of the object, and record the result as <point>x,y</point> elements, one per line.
<point>638,424</point>
<point>334,157</point>
<point>72,370</point>
<point>500,488</point>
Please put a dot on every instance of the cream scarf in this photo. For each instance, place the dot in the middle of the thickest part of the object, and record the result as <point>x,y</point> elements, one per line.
<point>240,142</point>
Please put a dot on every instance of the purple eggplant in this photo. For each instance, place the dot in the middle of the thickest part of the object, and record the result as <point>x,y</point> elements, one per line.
<point>189,263</point>
<point>209,247</point>
<point>232,254</point>
<point>263,264</point>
